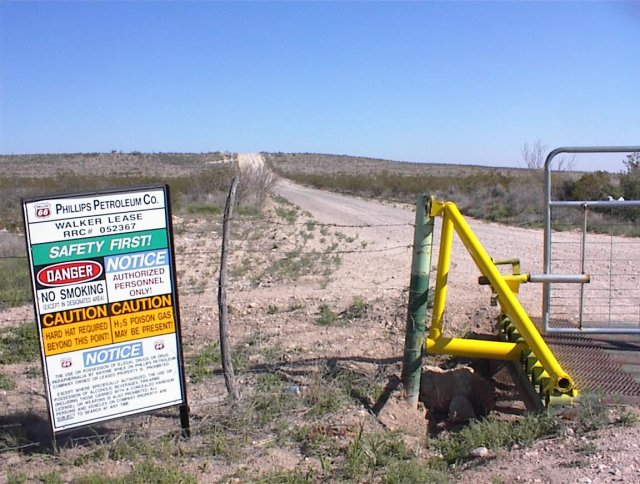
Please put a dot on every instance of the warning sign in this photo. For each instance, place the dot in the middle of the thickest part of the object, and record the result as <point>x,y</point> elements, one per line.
<point>104,288</point>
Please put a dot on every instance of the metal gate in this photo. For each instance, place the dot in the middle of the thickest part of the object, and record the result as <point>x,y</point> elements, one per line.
<point>598,240</point>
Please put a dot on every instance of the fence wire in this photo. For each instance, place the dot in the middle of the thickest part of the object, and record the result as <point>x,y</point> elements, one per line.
<point>197,290</point>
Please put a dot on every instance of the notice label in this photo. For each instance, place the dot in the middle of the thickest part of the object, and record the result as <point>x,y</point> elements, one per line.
<point>104,286</point>
<point>139,274</point>
<point>115,381</point>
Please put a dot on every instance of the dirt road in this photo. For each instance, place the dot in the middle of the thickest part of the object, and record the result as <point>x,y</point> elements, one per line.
<point>248,161</point>
<point>388,232</point>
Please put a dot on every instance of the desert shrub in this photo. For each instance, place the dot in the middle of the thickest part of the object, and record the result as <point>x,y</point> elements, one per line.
<point>256,185</point>
<point>630,184</point>
<point>591,186</point>
<point>15,285</point>
<point>630,181</point>
<point>495,434</point>
<point>504,195</point>
<point>200,188</point>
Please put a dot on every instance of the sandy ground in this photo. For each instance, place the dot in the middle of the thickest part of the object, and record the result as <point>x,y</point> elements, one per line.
<point>610,456</point>
<point>373,239</point>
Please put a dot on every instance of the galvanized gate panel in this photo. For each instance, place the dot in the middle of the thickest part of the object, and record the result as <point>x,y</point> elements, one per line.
<point>588,231</point>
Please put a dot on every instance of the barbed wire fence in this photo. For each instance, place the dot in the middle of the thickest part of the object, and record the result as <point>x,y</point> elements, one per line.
<point>197,263</point>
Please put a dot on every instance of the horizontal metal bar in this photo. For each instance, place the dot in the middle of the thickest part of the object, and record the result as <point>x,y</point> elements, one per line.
<point>593,330</point>
<point>595,203</point>
<point>471,348</point>
<point>593,149</point>
<point>561,278</point>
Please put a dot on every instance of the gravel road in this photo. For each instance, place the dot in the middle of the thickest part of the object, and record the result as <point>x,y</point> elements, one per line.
<point>388,229</point>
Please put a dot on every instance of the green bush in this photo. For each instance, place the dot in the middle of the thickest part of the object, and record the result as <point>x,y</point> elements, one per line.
<point>326,315</point>
<point>591,186</point>
<point>495,434</point>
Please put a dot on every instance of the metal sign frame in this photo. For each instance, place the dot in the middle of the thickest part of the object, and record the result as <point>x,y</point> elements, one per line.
<point>106,304</point>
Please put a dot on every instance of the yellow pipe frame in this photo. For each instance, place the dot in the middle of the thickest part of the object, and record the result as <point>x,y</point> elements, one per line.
<point>504,287</point>
<point>470,348</point>
<point>444,260</point>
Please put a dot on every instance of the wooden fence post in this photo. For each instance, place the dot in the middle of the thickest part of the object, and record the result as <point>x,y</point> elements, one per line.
<point>223,310</point>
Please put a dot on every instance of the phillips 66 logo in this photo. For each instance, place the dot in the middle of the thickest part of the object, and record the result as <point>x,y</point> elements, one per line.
<point>43,210</point>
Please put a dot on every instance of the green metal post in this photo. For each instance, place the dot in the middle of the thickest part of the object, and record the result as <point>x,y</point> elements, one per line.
<point>418,295</point>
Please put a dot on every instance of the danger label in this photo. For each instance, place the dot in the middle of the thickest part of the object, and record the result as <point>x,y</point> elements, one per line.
<point>67,273</point>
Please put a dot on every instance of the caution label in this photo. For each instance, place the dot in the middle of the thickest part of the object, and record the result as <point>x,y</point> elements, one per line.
<point>143,324</point>
<point>142,318</point>
<point>87,334</point>
<point>71,316</point>
<point>144,304</point>
<point>89,327</point>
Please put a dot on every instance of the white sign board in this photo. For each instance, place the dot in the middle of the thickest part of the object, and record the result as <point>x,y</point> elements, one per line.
<point>106,304</point>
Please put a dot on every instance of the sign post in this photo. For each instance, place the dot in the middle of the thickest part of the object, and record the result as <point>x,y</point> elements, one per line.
<point>106,303</point>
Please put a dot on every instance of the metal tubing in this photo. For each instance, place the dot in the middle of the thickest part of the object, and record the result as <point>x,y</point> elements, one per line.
<point>444,261</point>
<point>470,348</point>
<point>595,203</point>
<point>522,278</point>
<point>532,361</point>
<point>593,330</point>
<point>583,255</point>
<point>562,278</point>
<point>418,296</point>
<point>561,400</point>
<point>562,382</point>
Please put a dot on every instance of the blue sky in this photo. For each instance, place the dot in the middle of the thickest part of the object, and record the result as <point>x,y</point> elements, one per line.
<point>454,82</point>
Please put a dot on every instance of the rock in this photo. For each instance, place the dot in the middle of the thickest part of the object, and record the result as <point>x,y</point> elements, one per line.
<point>482,395</point>
<point>461,409</point>
<point>481,452</point>
<point>292,390</point>
<point>568,413</point>
<point>438,387</point>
